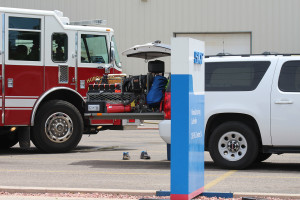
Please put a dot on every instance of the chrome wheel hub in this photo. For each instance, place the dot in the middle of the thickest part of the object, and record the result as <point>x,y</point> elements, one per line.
<point>59,127</point>
<point>232,146</point>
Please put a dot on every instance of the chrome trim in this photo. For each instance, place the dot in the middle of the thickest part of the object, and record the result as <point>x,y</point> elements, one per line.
<point>3,67</point>
<point>10,83</point>
<point>59,127</point>
<point>82,84</point>
<point>40,99</point>
<point>76,60</point>
<point>43,48</point>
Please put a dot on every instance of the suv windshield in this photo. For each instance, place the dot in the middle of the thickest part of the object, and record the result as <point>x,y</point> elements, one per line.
<point>117,57</point>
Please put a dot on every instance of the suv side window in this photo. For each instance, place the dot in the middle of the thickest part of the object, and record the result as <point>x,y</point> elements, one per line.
<point>234,76</point>
<point>289,78</point>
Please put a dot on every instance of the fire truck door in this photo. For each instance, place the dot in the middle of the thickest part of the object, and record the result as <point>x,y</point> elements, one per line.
<point>60,60</point>
<point>24,66</point>
<point>59,55</point>
<point>93,57</point>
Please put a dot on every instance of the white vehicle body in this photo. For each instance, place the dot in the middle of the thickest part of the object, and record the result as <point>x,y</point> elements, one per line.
<point>263,103</point>
<point>268,110</point>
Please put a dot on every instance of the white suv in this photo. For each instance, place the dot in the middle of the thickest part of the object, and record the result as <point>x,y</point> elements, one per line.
<point>252,106</point>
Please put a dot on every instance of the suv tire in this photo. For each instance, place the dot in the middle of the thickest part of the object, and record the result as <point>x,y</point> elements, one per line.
<point>233,145</point>
<point>262,157</point>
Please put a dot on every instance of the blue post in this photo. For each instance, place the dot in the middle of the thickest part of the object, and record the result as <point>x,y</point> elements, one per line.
<point>187,114</point>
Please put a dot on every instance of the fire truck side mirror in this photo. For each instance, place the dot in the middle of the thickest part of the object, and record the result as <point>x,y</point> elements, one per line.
<point>106,67</point>
<point>112,52</point>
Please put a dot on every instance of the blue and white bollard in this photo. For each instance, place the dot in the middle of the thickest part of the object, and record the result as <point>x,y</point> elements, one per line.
<point>187,114</point>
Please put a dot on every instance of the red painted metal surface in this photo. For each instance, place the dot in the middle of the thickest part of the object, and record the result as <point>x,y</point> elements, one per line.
<point>30,82</point>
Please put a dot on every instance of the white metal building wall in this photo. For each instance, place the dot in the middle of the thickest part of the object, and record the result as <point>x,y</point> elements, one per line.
<point>215,43</point>
<point>273,24</point>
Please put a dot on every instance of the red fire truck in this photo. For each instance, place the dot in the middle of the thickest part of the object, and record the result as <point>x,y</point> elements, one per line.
<point>46,65</point>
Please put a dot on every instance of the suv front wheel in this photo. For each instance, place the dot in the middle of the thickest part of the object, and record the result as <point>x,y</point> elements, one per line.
<point>233,145</point>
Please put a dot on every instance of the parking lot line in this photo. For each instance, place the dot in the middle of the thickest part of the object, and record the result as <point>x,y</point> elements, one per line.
<point>219,179</point>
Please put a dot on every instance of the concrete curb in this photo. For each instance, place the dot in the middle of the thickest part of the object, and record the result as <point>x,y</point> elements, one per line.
<point>74,190</point>
<point>259,195</point>
<point>13,189</point>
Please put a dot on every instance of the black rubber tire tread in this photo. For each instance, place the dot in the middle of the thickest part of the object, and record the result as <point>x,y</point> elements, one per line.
<point>39,137</point>
<point>9,140</point>
<point>247,132</point>
<point>262,157</point>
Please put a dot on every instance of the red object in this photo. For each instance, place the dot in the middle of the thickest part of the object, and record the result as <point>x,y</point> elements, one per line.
<point>117,108</point>
<point>187,196</point>
<point>105,121</point>
<point>167,106</point>
<point>131,120</point>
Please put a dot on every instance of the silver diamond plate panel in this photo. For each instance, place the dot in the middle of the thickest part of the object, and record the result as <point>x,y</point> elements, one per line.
<point>63,74</point>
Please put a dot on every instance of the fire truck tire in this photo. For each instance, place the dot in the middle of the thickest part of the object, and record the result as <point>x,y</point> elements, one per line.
<point>58,127</point>
<point>8,140</point>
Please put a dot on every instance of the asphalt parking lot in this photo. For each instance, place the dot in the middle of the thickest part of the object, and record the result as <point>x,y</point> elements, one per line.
<point>97,163</point>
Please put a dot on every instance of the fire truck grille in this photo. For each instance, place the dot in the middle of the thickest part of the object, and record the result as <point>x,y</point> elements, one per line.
<point>110,97</point>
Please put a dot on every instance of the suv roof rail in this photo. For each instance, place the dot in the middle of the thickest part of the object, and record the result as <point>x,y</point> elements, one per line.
<point>224,54</point>
<point>269,53</point>
<point>248,55</point>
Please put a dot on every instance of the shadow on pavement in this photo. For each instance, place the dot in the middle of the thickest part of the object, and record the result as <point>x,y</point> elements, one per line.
<point>85,149</point>
<point>19,151</point>
<point>80,149</point>
<point>263,167</point>
<point>125,164</point>
<point>275,167</point>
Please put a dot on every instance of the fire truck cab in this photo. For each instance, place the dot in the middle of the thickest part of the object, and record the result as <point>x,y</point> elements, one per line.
<point>46,66</point>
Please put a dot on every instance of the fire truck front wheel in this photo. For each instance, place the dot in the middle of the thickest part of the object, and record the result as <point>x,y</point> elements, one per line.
<point>58,127</point>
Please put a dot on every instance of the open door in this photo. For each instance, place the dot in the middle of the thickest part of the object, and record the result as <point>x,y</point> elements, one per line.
<point>148,51</point>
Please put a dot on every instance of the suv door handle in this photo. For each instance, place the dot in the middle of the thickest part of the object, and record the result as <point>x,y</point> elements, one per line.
<point>284,102</point>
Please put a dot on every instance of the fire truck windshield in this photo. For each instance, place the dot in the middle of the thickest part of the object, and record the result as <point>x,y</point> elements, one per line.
<point>94,49</point>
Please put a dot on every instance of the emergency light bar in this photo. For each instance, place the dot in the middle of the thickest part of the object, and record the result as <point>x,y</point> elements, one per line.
<point>90,22</point>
